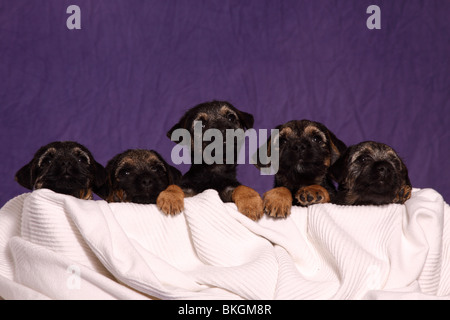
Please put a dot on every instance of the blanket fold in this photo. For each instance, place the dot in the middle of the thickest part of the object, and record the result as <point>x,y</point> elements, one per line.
<point>59,247</point>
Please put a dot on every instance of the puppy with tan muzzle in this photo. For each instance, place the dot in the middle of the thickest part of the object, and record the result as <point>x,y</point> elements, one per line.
<point>143,176</point>
<point>220,173</point>
<point>306,151</point>
<point>65,167</point>
<point>371,173</point>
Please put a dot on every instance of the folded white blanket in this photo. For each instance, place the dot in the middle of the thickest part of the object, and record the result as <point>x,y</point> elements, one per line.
<point>59,247</point>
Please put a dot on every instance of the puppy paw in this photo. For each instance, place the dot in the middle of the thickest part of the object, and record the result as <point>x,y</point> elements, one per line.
<point>86,194</point>
<point>248,202</point>
<point>311,195</point>
<point>117,196</point>
<point>278,202</point>
<point>171,200</point>
<point>403,194</point>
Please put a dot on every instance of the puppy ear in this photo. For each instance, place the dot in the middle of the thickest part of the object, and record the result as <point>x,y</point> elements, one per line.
<point>182,124</point>
<point>169,133</point>
<point>105,189</point>
<point>267,148</point>
<point>246,119</point>
<point>24,176</point>
<point>174,174</point>
<point>405,174</point>
<point>99,176</point>
<point>337,147</point>
<point>336,170</point>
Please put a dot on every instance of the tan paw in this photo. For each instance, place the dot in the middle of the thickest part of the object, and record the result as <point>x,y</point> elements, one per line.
<point>171,200</point>
<point>248,202</point>
<point>278,202</point>
<point>403,194</point>
<point>311,195</point>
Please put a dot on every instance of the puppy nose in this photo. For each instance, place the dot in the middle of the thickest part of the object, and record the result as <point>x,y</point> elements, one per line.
<point>146,182</point>
<point>382,168</point>
<point>298,147</point>
<point>64,163</point>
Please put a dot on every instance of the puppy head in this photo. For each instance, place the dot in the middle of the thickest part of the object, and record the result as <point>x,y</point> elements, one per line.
<point>219,115</point>
<point>370,173</point>
<point>65,167</point>
<point>138,176</point>
<point>306,148</point>
<point>214,115</point>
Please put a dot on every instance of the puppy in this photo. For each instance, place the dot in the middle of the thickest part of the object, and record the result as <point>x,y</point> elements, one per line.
<point>306,150</point>
<point>143,176</point>
<point>371,173</point>
<point>203,174</point>
<point>65,167</point>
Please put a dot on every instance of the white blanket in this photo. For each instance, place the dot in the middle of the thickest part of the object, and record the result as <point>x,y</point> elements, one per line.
<point>59,247</point>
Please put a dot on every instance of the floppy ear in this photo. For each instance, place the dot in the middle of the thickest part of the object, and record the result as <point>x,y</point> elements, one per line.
<point>405,174</point>
<point>336,170</point>
<point>174,174</point>
<point>337,147</point>
<point>169,133</point>
<point>24,176</point>
<point>99,175</point>
<point>264,148</point>
<point>104,189</point>
<point>182,124</point>
<point>246,119</point>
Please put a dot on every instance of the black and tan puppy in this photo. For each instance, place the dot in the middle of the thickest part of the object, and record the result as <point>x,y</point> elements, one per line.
<point>143,176</point>
<point>218,175</point>
<point>65,167</point>
<point>371,173</point>
<point>306,151</point>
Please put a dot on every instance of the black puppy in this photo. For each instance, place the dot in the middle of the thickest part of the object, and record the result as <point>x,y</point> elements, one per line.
<point>219,175</point>
<point>143,176</point>
<point>65,167</point>
<point>306,150</point>
<point>371,173</point>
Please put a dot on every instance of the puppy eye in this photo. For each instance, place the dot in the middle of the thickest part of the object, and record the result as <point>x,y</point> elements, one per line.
<point>157,168</point>
<point>231,117</point>
<point>82,160</point>
<point>364,158</point>
<point>124,172</point>
<point>316,138</point>
<point>46,161</point>
<point>282,141</point>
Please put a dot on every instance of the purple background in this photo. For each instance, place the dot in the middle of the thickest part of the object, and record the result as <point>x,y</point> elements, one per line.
<point>135,66</point>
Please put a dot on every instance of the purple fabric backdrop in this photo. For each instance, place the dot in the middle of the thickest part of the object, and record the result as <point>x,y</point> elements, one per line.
<point>135,66</point>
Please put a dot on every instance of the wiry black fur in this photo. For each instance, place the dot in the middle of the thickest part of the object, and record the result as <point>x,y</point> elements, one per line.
<point>139,181</point>
<point>304,158</point>
<point>64,171</point>
<point>371,173</point>
<point>203,176</point>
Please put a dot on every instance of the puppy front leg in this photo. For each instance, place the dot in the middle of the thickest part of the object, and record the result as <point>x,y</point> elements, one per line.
<point>403,194</point>
<point>86,194</point>
<point>248,202</point>
<point>278,202</point>
<point>171,200</point>
<point>311,195</point>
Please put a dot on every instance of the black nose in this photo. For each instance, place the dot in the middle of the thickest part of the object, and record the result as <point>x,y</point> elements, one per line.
<point>146,182</point>
<point>382,168</point>
<point>64,164</point>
